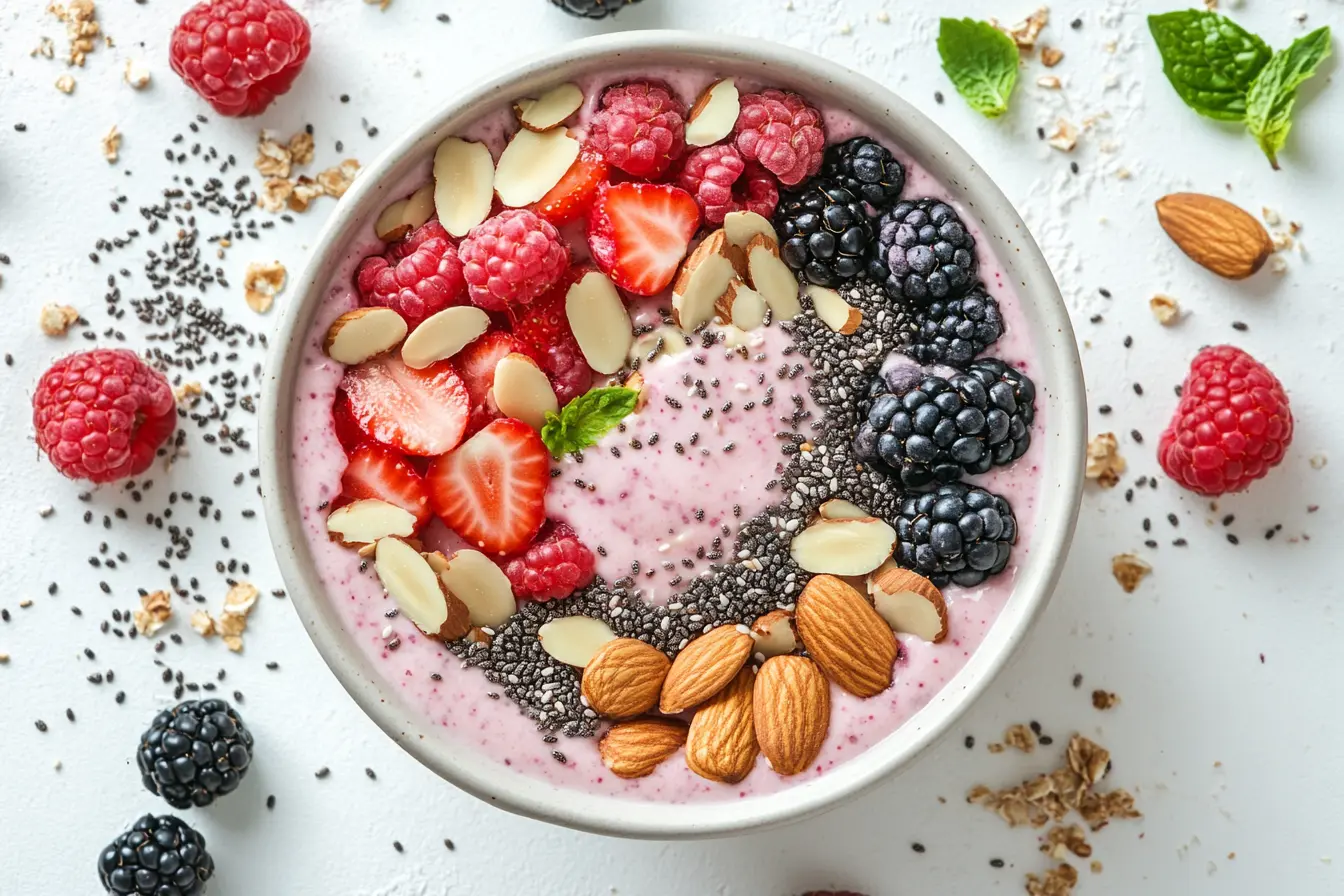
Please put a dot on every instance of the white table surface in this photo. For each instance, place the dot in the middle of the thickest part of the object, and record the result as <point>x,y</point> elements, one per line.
<point>1226,659</point>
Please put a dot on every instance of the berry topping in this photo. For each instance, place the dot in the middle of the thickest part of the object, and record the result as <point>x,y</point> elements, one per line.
<point>570,199</point>
<point>954,331</point>
<point>721,183</point>
<point>492,490</point>
<point>640,128</point>
<point>542,328</point>
<point>239,55</point>
<point>476,365</point>
<point>375,471</point>
<point>639,233</point>
<point>511,259</point>
<point>782,132</point>
<point>955,534</point>
<point>554,566</point>
<point>343,422</point>
<point>592,9</point>
<point>923,252</point>
<point>1232,425</point>
<point>867,169</point>
<point>160,855</point>
<point>825,233</point>
<point>420,412</point>
<point>417,277</point>
<point>101,415</point>
<point>194,752</point>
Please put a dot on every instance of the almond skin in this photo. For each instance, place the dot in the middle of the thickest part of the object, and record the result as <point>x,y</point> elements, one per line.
<point>721,744</point>
<point>791,703</point>
<point>624,678</point>
<point>703,668</point>
<point>1215,233</point>
<point>634,749</point>
<point>844,634</point>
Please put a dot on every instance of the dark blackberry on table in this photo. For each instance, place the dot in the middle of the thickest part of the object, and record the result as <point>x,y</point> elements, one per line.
<point>159,856</point>
<point>1014,394</point>
<point>194,752</point>
<point>592,9</point>
<point>825,232</point>
<point>924,252</point>
<point>956,534</point>
<point>867,169</point>
<point>954,331</point>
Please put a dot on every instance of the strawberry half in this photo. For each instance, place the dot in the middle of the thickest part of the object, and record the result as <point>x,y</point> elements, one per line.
<point>570,199</point>
<point>343,422</point>
<point>378,472</point>
<point>492,489</point>
<point>639,233</point>
<point>476,365</point>
<point>422,412</point>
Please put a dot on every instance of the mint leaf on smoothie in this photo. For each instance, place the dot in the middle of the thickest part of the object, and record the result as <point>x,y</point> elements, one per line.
<point>1209,59</point>
<point>981,62</point>
<point>584,421</point>
<point>1269,104</point>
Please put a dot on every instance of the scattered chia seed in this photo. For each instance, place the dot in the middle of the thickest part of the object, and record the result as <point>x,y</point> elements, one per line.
<point>372,776</point>
<point>970,742</point>
<point>1046,740</point>
<point>1078,680</point>
<point>917,847</point>
<point>1232,539</point>
<point>998,863</point>
<point>1138,389</point>
<point>1240,326</point>
<point>1129,341</point>
<point>322,773</point>
<point>270,801</point>
<point>396,844</point>
<point>1179,543</point>
<point>41,726</point>
<point>1136,436</point>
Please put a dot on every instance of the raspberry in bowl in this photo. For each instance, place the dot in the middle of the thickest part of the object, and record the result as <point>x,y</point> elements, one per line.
<point>739,459</point>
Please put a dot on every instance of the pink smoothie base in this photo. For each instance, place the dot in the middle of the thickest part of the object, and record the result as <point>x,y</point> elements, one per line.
<point>458,704</point>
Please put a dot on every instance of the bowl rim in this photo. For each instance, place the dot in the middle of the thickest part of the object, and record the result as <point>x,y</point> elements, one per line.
<point>1053,345</point>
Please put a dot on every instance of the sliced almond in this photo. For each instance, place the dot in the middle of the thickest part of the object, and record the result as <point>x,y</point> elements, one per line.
<point>840,509</point>
<point>833,310</point>
<point>663,340</point>
<point>522,391</point>
<point>791,708</point>
<point>771,277</point>
<point>599,321</point>
<point>443,335</point>
<point>532,163</point>
<point>550,109</point>
<point>635,382</point>
<point>702,283</point>
<point>574,640</point>
<point>405,215</point>
<point>844,634</point>
<point>356,336</point>
<point>367,520</point>
<point>703,667</point>
<point>634,749</point>
<point>713,115</point>
<point>419,207</point>
<point>774,634</point>
<point>843,547</point>
<point>411,582</point>
<point>721,744</point>
<point>741,306</point>
<point>908,602</point>
<point>624,678</point>
<point>464,184</point>
<point>740,227</point>
<point>478,582</point>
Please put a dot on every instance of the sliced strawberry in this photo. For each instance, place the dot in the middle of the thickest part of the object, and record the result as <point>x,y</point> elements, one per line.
<point>570,199</point>
<point>476,364</point>
<point>343,421</point>
<point>639,233</point>
<point>492,489</point>
<point>379,472</point>
<point>420,412</point>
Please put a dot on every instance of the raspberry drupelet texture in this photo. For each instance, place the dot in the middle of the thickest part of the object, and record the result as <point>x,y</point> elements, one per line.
<point>556,565</point>
<point>1232,425</point>
<point>543,330</point>
<point>239,55</point>
<point>640,128</point>
<point>101,415</point>
<point>781,132</point>
<point>417,277</point>
<point>511,259</point>
<point>160,855</point>
<point>721,183</point>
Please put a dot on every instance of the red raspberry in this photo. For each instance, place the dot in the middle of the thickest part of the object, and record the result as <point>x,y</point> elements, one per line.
<point>1232,424</point>
<point>417,277</point>
<point>555,565</point>
<point>101,415</point>
<point>782,132</point>
<point>239,55</point>
<point>568,369</point>
<point>640,129</point>
<point>542,328</point>
<point>721,183</point>
<point>511,259</point>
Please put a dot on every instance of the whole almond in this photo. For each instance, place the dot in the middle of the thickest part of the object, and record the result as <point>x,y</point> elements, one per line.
<point>703,667</point>
<point>844,634</point>
<point>624,678</point>
<point>791,704</point>
<point>1215,233</point>
<point>635,748</point>
<point>721,744</point>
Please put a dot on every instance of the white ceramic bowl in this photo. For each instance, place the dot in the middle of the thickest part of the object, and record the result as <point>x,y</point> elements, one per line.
<point>1057,364</point>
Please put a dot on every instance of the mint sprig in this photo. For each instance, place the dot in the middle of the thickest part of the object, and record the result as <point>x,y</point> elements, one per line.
<point>1269,104</point>
<point>981,62</point>
<point>586,419</point>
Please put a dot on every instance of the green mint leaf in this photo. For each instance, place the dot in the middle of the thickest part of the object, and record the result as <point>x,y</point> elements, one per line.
<point>1209,59</point>
<point>981,62</point>
<point>585,420</point>
<point>1269,105</point>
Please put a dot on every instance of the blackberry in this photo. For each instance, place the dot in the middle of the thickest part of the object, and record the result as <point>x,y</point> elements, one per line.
<point>159,856</point>
<point>924,252</point>
<point>955,533</point>
<point>954,331</point>
<point>825,232</point>
<point>1014,394</point>
<point>592,9</point>
<point>194,752</point>
<point>867,169</point>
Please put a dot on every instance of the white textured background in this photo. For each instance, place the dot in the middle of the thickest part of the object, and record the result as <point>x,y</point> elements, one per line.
<point>1226,658</point>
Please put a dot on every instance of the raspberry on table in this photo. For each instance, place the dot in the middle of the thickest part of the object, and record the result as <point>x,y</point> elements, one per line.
<point>640,128</point>
<point>511,259</point>
<point>101,415</point>
<point>160,854</point>
<point>1232,425</point>
<point>418,276</point>
<point>239,55</point>
<point>554,566</point>
<point>722,182</point>
<point>782,132</point>
<point>194,752</point>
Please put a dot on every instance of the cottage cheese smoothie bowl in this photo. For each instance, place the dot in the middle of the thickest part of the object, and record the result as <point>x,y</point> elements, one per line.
<point>673,436</point>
